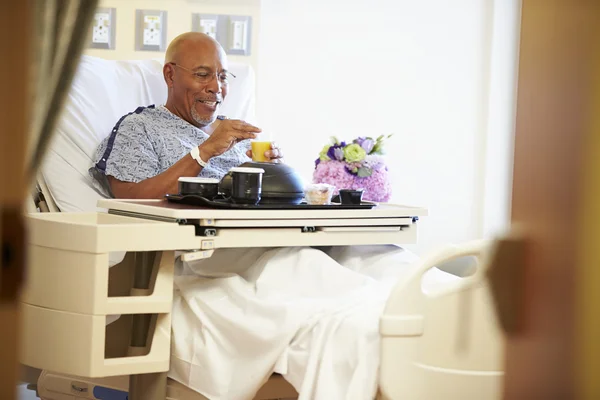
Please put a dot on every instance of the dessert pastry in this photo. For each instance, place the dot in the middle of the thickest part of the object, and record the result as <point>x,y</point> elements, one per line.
<point>318,193</point>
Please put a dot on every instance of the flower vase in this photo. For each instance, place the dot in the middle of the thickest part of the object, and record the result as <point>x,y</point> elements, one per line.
<point>377,186</point>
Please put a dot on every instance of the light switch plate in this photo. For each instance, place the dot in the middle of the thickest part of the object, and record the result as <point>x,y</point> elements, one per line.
<point>206,23</point>
<point>238,35</point>
<point>104,28</point>
<point>151,30</point>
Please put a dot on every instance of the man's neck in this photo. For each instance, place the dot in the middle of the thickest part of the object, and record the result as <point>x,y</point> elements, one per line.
<point>208,129</point>
<point>173,110</point>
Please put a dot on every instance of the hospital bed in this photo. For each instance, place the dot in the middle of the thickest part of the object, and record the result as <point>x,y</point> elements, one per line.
<point>96,308</point>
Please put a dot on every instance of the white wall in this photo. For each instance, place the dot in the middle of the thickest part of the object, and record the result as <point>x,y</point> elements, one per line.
<point>419,69</point>
<point>179,20</point>
<point>499,143</point>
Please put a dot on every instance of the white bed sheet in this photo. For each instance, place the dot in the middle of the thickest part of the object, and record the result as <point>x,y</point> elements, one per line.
<point>310,315</point>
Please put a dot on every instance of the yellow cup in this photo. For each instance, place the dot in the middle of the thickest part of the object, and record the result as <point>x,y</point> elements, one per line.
<point>258,151</point>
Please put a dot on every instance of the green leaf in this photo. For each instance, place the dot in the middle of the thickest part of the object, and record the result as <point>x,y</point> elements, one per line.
<point>364,172</point>
<point>377,148</point>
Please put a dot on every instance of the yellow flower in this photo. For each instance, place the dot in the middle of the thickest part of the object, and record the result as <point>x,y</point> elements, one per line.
<point>323,154</point>
<point>354,153</point>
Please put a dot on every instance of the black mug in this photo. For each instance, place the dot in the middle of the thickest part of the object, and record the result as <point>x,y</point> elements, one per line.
<point>246,185</point>
<point>349,196</point>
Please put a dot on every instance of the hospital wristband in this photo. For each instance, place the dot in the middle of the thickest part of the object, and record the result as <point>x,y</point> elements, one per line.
<point>195,153</point>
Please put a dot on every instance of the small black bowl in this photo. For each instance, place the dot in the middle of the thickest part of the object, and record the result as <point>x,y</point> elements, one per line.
<point>348,196</point>
<point>205,187</point>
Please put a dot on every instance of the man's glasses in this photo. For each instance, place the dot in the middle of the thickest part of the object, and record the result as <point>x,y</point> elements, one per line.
<point>205,76</point>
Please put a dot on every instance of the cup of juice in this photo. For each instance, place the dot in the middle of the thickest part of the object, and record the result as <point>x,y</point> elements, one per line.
<point>259,149</point>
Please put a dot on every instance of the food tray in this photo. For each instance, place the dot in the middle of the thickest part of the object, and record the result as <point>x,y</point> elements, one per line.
<point>199,201</point>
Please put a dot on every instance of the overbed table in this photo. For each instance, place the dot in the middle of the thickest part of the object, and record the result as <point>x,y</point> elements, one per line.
<point>67,300</point>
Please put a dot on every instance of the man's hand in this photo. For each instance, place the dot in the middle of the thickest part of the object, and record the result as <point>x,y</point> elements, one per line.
<point>225,136</point>
<point>275,155</point>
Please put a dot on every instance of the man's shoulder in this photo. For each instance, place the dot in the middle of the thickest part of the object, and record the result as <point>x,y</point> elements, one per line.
<point>140,116</point>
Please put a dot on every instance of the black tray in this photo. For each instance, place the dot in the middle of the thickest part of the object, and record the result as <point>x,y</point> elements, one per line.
<point>199,201</point>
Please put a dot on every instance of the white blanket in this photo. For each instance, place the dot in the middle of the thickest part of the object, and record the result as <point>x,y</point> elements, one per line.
<point>311,315</point>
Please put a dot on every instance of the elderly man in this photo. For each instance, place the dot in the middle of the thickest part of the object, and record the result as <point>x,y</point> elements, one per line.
<point>308,314</point>
<point>150,149</point>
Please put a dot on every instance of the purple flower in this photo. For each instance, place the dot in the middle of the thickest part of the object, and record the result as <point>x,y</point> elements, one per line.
<point>331,151</point>
<point>373,162</point>
<point>367,145</point>
<point>359,140</point>
<point>338,153</point>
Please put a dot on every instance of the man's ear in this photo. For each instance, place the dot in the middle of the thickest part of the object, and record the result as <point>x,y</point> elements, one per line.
<point>168,72</point>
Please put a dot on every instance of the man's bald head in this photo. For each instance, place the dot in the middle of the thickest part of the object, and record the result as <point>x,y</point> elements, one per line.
<point>195,71</point>
<point>191,42</point>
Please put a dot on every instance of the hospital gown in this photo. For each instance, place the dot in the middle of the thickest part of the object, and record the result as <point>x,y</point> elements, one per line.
<point>148,141</point>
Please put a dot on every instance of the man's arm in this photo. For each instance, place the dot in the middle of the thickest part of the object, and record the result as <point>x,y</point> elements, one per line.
<point>159,185</point>
<point>224,137</point>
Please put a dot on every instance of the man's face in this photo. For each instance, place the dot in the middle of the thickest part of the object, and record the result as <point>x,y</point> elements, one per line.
<point>200,82</point>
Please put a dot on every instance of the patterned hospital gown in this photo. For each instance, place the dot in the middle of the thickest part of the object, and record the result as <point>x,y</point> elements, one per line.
<point>151,139</point>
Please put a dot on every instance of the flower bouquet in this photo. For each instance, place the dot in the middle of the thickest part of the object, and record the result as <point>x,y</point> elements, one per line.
<point>357,165</point>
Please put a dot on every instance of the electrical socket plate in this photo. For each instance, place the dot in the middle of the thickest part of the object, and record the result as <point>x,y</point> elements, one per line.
<point>206,23</point>
<point>103,29</point>
<point>233,32</point>
<point>151,30</point>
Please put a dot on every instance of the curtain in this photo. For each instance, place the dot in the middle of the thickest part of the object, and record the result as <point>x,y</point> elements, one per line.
<point>54,37</point>
<point>61,31</point>
<point>42,43</point>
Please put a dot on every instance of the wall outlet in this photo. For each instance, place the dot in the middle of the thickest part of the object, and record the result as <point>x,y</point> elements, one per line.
<point>233,32</point>
<point>209,27</point>
<point>100,28</point>
<point>206,23</point>
<point>151,30</point>
<point>103,28</point>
